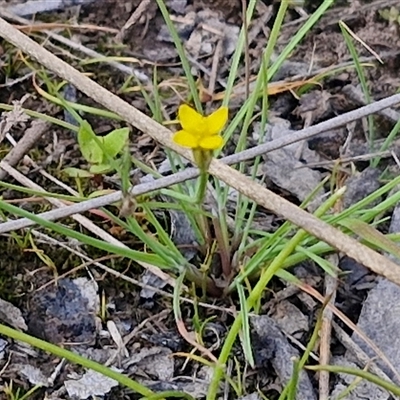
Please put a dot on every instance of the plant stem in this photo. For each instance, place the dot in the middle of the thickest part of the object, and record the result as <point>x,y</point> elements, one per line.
<point>169,393</point>
<point>339,369</point>
<point>203,179</point>
<point>75,358</point>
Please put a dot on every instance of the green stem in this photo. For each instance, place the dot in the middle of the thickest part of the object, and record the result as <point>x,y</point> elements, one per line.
<point>169,393</point>
<point>338,369</point>
<point>203,159</point>
<point>75,358</point>
<point>203,179</point>
<point>291,394</point>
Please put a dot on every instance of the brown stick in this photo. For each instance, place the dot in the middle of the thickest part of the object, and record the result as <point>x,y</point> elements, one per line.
<point>29,140</point>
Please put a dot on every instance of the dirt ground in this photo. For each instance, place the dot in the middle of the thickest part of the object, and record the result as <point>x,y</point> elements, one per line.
<point>65,313</point>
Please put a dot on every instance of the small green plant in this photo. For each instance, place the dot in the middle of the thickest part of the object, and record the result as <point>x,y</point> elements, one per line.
<point>101,151</point>
<point>392,15</point>
<point>16,393</point>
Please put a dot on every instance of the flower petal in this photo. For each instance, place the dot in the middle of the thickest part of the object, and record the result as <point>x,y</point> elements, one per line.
<point>186,139</point>
<point>217,120</point>
<point>211,142</point>
<point>191,120</point>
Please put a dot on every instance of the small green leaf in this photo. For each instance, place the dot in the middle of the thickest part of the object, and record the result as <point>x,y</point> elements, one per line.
<point>88,146</point>
<point>115,141</point>
<point>99,193</point>
<point>100,169</point>
<point>77,173</point>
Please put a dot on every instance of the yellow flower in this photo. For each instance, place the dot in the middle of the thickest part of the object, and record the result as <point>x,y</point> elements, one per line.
<point>200,132</point>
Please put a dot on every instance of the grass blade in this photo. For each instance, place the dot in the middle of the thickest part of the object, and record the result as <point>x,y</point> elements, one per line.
<point>246,336</point>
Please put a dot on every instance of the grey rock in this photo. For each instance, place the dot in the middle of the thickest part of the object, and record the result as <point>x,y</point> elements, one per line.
<point>270,346</point>
<point>379,321</point>
<point>64,313</point>
<point>360,186</point>
<point>380,315</point>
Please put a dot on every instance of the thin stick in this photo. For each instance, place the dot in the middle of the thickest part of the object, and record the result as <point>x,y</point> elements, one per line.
<point>214,67</point>
<point>246,49</point>
<point>96,203</point>
<point>29,140</point>
<point>326,331</point>
<point>140,9</point>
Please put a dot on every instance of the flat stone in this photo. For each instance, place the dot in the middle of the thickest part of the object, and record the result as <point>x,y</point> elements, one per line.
<point>270,346</point>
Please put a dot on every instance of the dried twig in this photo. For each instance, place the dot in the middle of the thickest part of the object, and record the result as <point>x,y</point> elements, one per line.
<point>215,64</point>
<point>357,95</point>
<point>98,202</point>
<point>30,138</point>
<point>13,117</point>
<point>315,129</point>
<point>140,9</point>
<point>326,330</point>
